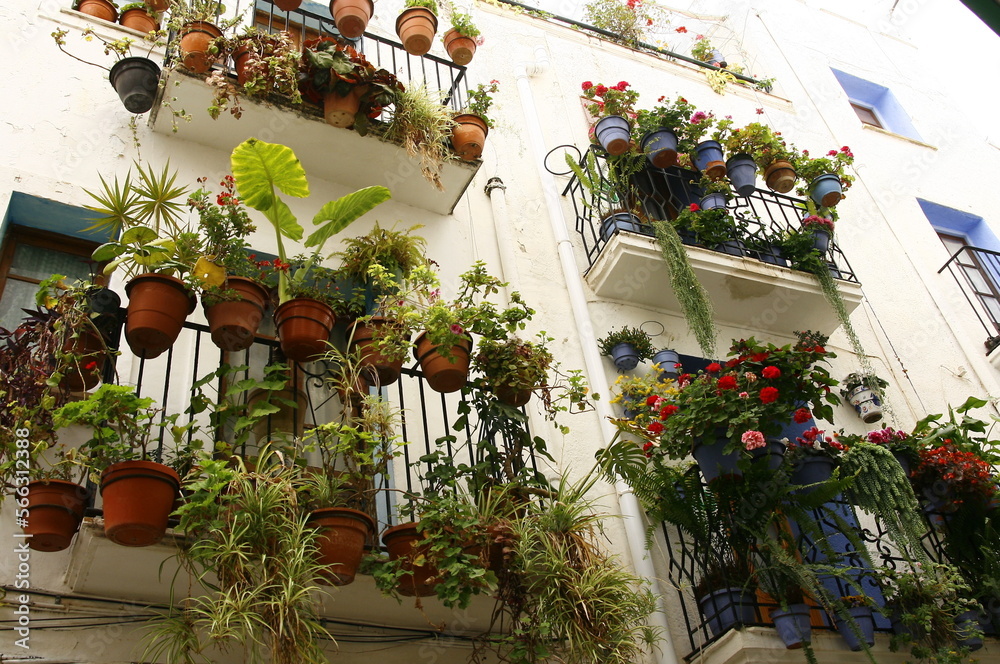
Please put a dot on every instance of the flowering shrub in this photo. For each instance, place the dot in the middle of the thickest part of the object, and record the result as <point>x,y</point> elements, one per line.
<point>765,145</point>
<point>702,49</point>
<point>813,441</point>
<point>629,21</point>
<point>710,227</point>
<point>750,397</point>
<point>835,162</point>
<point>480,99</point>
<point>673,115</point>
<point>954,476</point>
<point>816,221</point>
<point>615,100</point>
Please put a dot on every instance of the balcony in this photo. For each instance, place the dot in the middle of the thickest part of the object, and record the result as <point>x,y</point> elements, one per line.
<point>329,153</point>
<point>977,273</point>
<point>748,291</point>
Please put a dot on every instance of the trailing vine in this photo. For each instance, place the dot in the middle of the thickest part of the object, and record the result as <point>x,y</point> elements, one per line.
<point>691,295</point>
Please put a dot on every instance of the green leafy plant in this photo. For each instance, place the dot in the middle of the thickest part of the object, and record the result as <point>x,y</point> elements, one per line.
<point>422,124</point>
<point>479,100</point>
<point>691,295</point>
<point>270,66</point>
<point>673,115</point>
<point>426,4</point>
<point>836,162</point>
<point>462,24</point>
<point>628,20</point>
<point>703,49</point>
<point>765,145</point>
<point>640,341</point>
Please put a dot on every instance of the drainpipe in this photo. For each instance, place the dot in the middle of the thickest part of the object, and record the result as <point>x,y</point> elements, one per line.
<point>497,191</point>
<point>594,364</point>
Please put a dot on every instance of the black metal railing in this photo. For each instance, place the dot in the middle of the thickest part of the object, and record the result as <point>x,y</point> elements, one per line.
<point>686,559</point>
<point>427,418</point>
<point>662,193</point>
<point>977,273</point>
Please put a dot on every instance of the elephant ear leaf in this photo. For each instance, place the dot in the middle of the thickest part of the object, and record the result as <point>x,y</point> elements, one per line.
<point>259,168</point>
<point>337,215</point>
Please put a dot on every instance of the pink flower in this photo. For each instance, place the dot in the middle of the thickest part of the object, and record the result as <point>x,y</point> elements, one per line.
<point>744,395</point>
<point>456,328</point>
<point>760,111</point>
<point>831,153</point>
<point>699,116</point>
<point>771,372</point>
<point>753,440</point>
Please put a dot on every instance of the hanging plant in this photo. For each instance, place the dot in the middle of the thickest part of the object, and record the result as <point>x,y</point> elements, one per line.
<point>691,295</point>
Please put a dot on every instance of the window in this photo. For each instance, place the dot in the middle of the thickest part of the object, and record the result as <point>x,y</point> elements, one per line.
<point>28,257</point>
<point>876,106</point>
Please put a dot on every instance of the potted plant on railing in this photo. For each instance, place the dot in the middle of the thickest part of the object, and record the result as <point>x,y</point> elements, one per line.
<point>139,16</point>
<point>614,109</point>
<point>473,123</point>
<point>234,306</point>
<point>514,368</point>
<point>711,228</point>
<point>105,10</point>
<point>627,347</point>
<point>422,124</point>
<point>416,25</point>
<point>714,193</point>
<point>821,229</point>
<point>825,177</point>
<point>138,493</point>
<point>707,156</point>
<point>462,39</point>
<point>351,16</point>
<point>198,25</point>
<point>863,391</point>
<point>664,131</point>
<point>265,63</point>
<point>352,89</point>
<point>259,170</point>
<point>769,150</point>
<point>704,51</point>
<point>56,497</point>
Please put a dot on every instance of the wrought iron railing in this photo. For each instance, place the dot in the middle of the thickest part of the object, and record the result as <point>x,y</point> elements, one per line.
<point>661,193</point>
<point>977,273</point>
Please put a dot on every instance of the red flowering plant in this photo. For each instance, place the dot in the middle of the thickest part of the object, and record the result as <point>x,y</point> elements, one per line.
<point>674,115</point>
<point>749,398</point>
<point>835,162</point>
<point>816,221</point>
<point>814,441</point>
<point>898,442</point>
<point>224,223</point>
<point>950,477</point>
<point>618,99</point>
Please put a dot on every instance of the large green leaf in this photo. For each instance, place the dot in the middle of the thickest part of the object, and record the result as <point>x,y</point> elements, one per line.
<point>138,235</point>
<point>260,167</point>
<point>337,215</point>
<point>108,251</point>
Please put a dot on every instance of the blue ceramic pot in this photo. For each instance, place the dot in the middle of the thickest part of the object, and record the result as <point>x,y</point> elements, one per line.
<point>772,256</point>
<point>812,469</point>
<point>793,625</point>
<point>613,134</point>
<point>866,624</point>
<point>732,247</point>
<point>821,239</point>
<point>826,190</point>
<point>660,148</point>
<point>667,360</point>
<point>726,608</point>
<point>742,171</point>
<point>625,357</point>
<point>708,159</point>
<point>620,221</point>
<point>713,462</point>
<point>713,201</point>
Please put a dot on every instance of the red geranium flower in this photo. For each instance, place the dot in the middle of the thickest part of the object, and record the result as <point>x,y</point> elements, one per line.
<point>587,85</point>
<point>729,383</point>
<point>655,428</point>
<point>802,415</point>
<point>769,395</point>
<point>681,29</point>
<point>714,367</point>
<point>651,400</point>
<point>667,411</point>
<point>760,357</point>
<point>694,207</point>
<point>771,372</point>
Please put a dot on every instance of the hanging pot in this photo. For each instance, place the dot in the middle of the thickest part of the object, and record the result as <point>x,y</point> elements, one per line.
<point>731,247</point>
<point>85,373</point>
<point>135,80</point>
<point>158,5</point>
<point>460,48</point>
<point>196,42</point>
<point>621,221</point>
<point>55,510</point>
<point>403,543</point>
<point>416,27</point>
<point>714,201</point>
<point>513,396</point>
<point>780,177</point>
<point>101,9</point>
<point>468,136</point>
<point>811,469</point>
<point>351,16</point>
<point>442,374</point>
<point>771,254</point>
<point>727,608</point>
<point>826,190</point>
<point>157,308</point>
<point>287,5</point>
<point>660,148</point>
<point>717,58</point>
<point>793,626</point>
<point>967,630</point>
<point>667,360</point>
<point>821,239</point>
<point>708,159</point>
<point>866,624</point>
<point>742,170</point>
<point>613,134</point>
<point>362,337</point>
<point>625,356</point>
<point>713,460</point>
<point>769,456</point>
<point>234,322</point>
<point>341,111</point>
<point>138,499</point>
<point>304,327</point>
<point>138,19</point>
<point>343,534</point>
<point>867,403</point>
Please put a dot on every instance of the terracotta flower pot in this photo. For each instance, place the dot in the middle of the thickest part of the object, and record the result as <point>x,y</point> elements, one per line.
<point>513,396</point>
<point>343,534</point>
<point>469,136</point>
<point>361,336</point>
<point>460,48</point>
<point>403,542</point>
<point>234,323</point>
<point>442,374</point>
<point>340,111</point>
<point>157,307</point>
<point>101,9</point>
<point>304,327</point>
<point>138,499</point>
<point>287,5</point>
<point>416,27</point>
<point>55,510</point>
<point>158,5</point>
<point>780,177</point>
<point>351,16</point>
<point>138,19</point>
<point>196,38</point>
<point>240,57</point>
<point>85,374</point>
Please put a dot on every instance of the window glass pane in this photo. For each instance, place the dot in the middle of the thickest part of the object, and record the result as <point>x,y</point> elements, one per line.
<point>17,295</point>
<point>41,263</point>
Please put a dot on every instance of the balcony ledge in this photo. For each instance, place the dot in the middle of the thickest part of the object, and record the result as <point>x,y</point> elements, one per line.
<point>745,292</point>
<point>329,153</point>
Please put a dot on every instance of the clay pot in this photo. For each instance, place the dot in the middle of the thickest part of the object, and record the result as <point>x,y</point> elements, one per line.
<point>234,323</point>
<point>55,510</point>
<point>196,38</point>
<point>138,19</point>
<point>469,136</point>
<point>287,5</point>
<point>101,9</point>
<point>138,498</point>
<point>780,177</point>
<point>304,327</point>
<point>442,374</point>
<point>416,27</point>
<point>513,396</point>
<point>136,81</point>
<point>342,536</point>
<point>158,5</point>
<point>460,49</point>
<point>157,307</point>
<point>351,16</point>
<point>340,111</point>
<point>361,336</point>
<point>403,543</point>
<point>90,347</point>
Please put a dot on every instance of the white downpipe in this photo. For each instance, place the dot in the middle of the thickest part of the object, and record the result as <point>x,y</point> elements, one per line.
<point>632,515</point>
<point>497,191</point>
